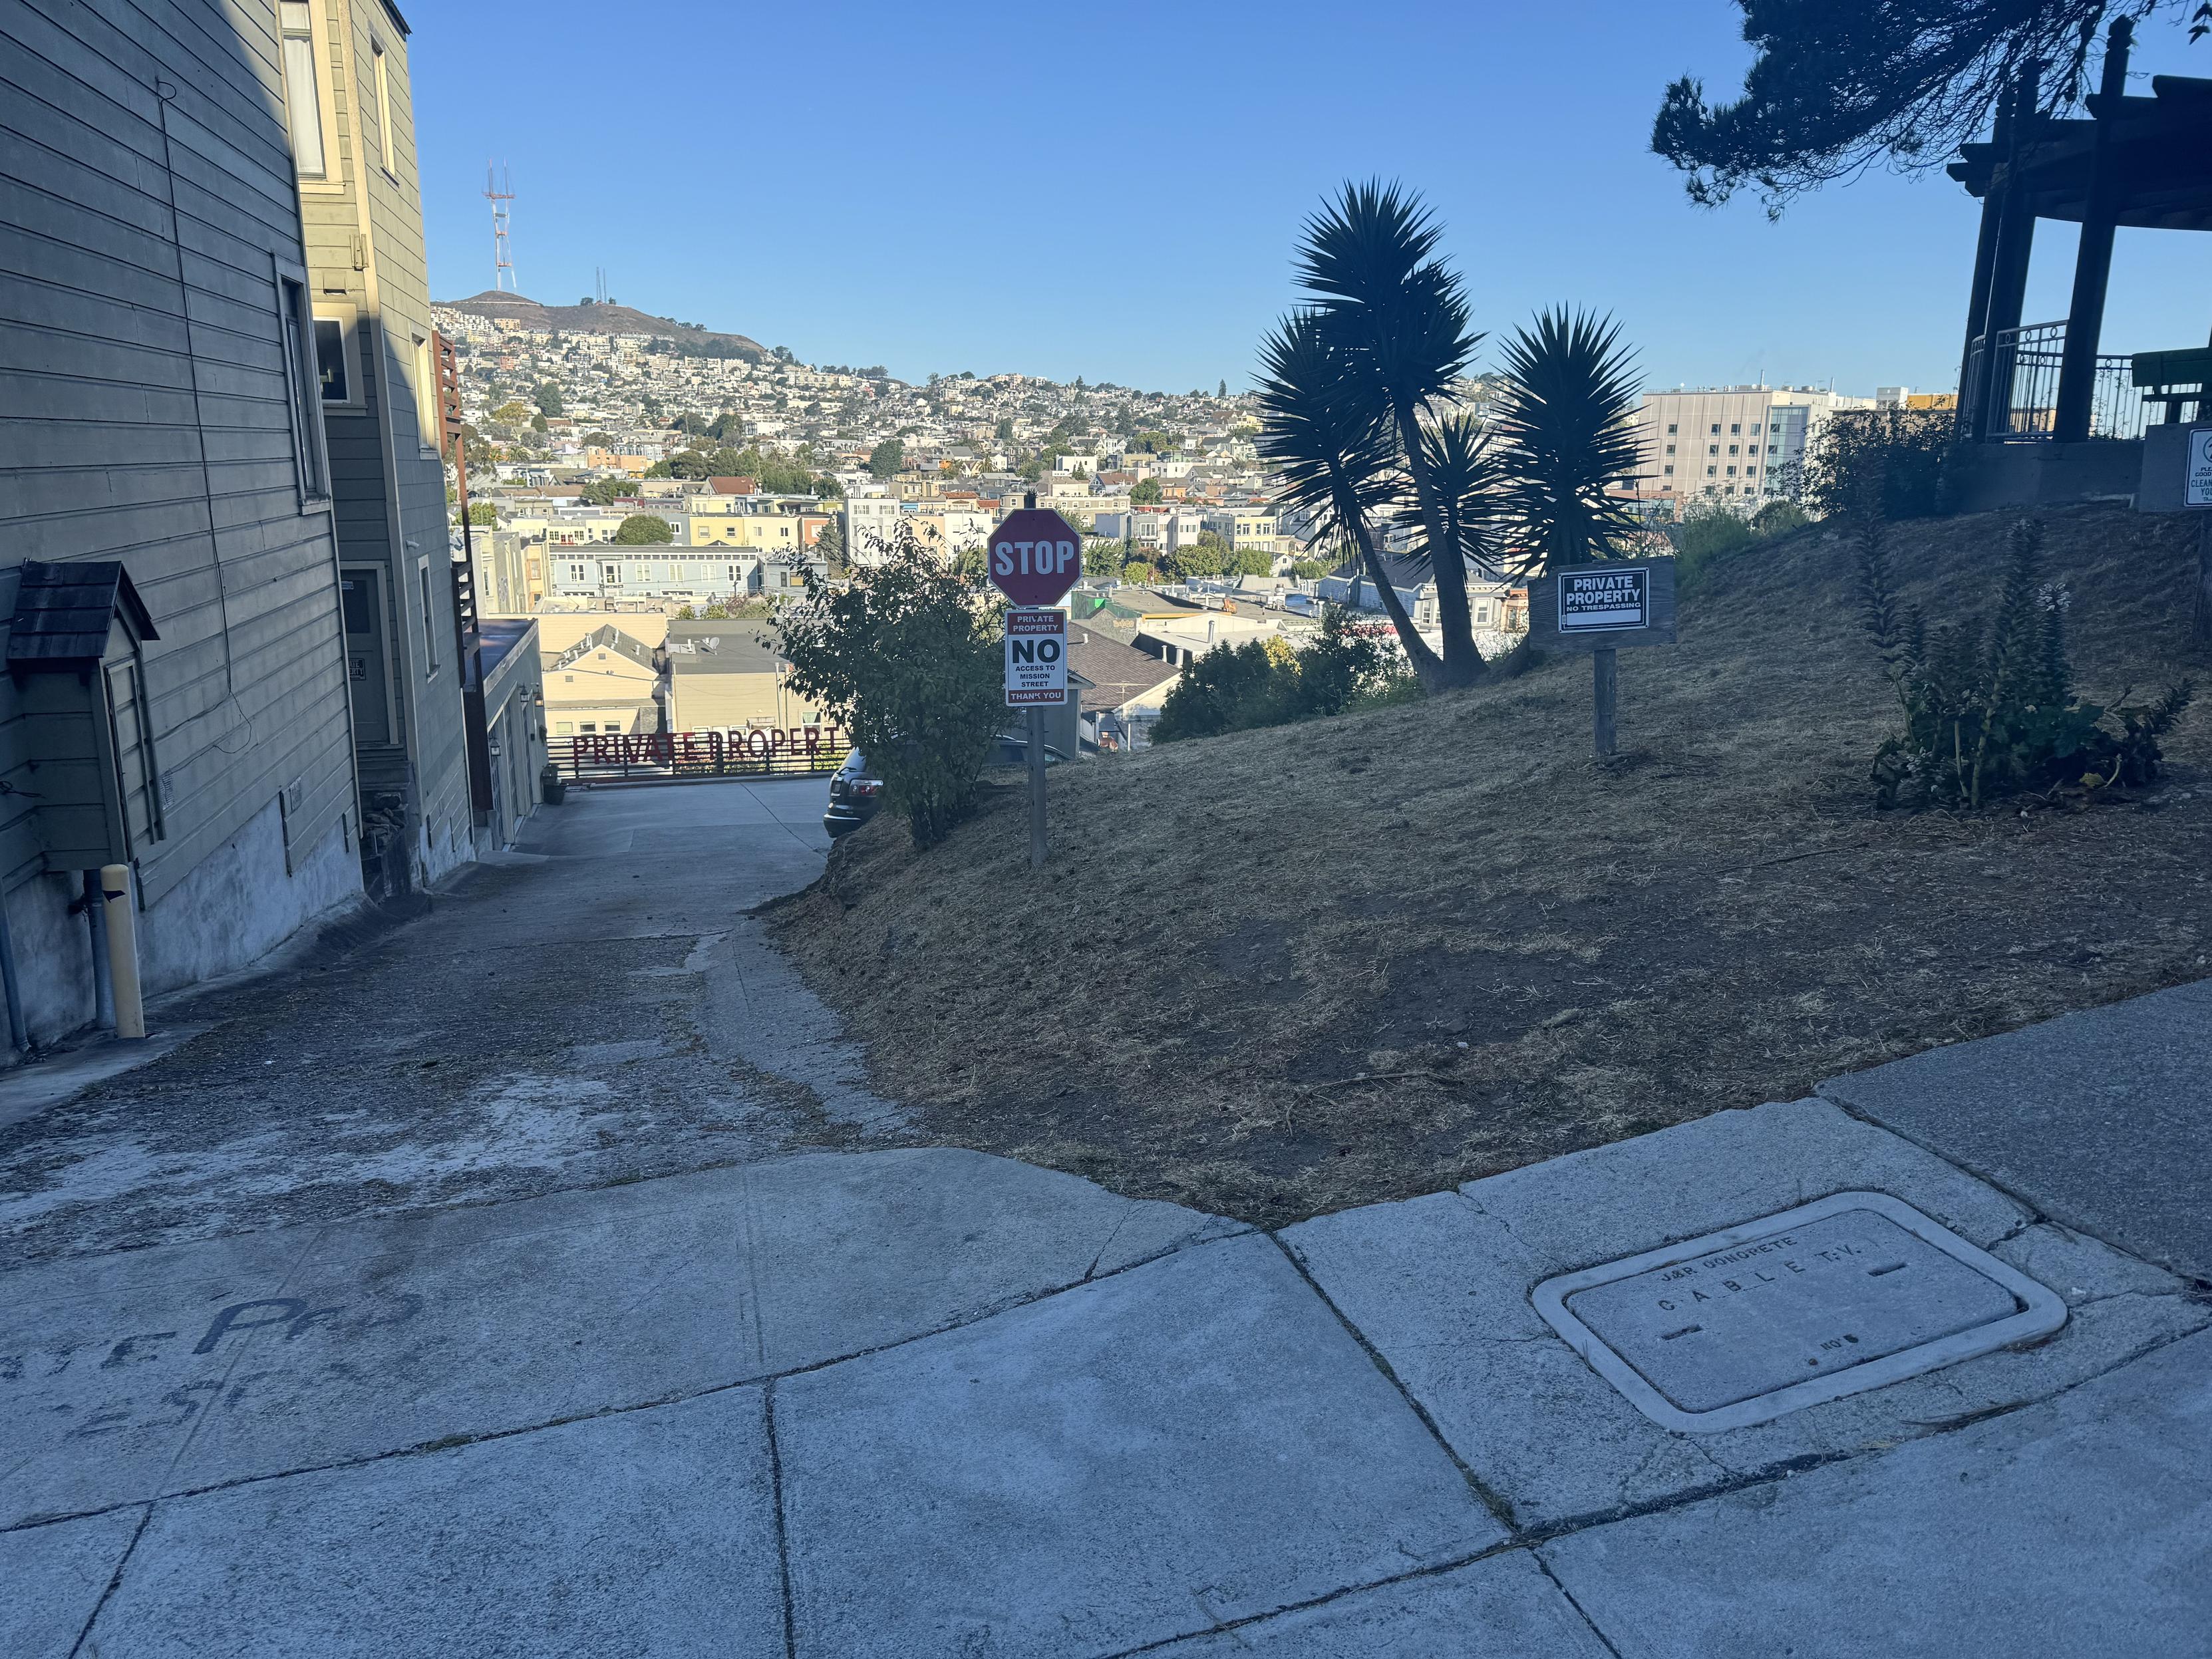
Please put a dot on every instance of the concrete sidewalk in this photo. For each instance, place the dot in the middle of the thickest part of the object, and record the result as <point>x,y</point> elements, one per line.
<point>933,1402</point>
<point>749,1378</point>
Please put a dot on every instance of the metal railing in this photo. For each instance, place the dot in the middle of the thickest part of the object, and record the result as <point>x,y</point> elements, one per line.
<point>698,757</point>
<point>2016,376</point>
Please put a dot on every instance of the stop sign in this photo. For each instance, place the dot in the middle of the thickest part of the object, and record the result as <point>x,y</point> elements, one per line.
<point>1034,556</point>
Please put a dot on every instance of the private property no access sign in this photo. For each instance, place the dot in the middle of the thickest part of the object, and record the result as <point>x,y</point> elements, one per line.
<point>1036,658</point>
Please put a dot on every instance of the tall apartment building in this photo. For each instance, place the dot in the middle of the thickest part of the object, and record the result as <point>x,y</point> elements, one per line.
<point>346,100</point>
<point>1740,445</point>
<point>176,698</point>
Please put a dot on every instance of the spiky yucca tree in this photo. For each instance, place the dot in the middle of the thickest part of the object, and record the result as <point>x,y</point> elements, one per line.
<point>1335,453</point>
<point>1399,319</point>
<point>1467,475</point>
<point>1565,425</point>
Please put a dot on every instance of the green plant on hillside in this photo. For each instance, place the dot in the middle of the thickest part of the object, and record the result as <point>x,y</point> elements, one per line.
<point>1990,709</point>
<point>1709,533</point>
<point>1398,320</point>
<point>1565,417</point>
<point>1896,462</point>
<point>1779,517</point>
<point>1145,492</point>
<point>1264,681</point>
<point>906,660</point>
<point>887,458</point>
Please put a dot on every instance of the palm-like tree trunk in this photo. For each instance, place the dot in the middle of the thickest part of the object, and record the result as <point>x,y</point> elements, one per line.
<point>1428,667</point>
<point>1463,663</point>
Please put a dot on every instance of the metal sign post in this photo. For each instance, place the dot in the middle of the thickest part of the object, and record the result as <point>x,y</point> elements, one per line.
<point>1603,609</point>
<point>1034,558</point>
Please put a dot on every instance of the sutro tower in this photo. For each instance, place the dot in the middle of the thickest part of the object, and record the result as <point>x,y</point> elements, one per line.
<point>498,193</point>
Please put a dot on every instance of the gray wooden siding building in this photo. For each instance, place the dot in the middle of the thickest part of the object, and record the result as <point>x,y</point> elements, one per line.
<point>353,137</point>
<point>157,413</point>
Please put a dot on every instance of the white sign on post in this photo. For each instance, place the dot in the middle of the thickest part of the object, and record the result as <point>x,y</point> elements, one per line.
<point>2196,483</point>
<point>1598,601</point>
<point>1036,658</point>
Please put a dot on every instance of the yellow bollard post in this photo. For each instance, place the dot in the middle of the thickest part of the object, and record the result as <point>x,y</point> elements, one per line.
<point>119,911</point>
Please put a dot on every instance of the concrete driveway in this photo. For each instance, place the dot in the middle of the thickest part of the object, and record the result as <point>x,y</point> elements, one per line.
<point>542,1278</point>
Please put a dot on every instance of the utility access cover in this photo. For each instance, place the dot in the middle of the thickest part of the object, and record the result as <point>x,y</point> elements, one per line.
<point>1834,1297</point>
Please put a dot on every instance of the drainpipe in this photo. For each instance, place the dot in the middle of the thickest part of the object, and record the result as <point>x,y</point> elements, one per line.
<point>18,1033</point>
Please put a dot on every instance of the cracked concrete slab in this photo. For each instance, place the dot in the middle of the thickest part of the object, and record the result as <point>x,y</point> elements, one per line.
<point>127,1376</point>
<point>2080,1525</point>
<point>1441,1286</point>
<point>53,1577</point>
<point>1503,1606</point>
<point>649,1532</point>
<point>1192,1442</point>
<point>2096,1118</point>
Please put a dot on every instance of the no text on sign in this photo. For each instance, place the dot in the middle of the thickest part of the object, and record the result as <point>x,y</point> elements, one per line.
<point>1036,658</point>
<point>1036,556</point>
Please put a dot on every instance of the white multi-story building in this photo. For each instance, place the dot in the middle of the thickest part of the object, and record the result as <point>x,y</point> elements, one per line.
<point>1741,444</point>
<point>869,521</point>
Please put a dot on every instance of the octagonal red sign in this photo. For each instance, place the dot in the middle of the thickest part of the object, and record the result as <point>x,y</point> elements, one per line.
<point>1034,556</point>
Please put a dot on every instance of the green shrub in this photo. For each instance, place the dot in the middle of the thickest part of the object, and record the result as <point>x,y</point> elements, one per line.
<point>1990,709</point>
<point>1779,517</point>
<point>906,660</point>
<point>1886,462</point>
<point>1264,681</point>
<point>1707,530</point>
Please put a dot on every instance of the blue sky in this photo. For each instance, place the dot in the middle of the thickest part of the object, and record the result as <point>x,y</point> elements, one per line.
<point>1114,192</point>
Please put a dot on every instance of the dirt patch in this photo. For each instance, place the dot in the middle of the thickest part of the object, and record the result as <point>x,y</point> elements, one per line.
<point>1373,957</point>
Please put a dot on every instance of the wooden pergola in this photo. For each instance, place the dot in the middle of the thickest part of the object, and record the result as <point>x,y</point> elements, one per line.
<point>2143,162</point>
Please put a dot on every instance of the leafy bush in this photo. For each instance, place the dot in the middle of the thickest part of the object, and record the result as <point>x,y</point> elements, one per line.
<point>1706,532</point>
<point>644,530</point>
<point>1710,532</point>
<point>1885,463</point>
<point>1778,518</point>
<point>1264,681</point>
<point>1991,710</point>
<point>906,660</point>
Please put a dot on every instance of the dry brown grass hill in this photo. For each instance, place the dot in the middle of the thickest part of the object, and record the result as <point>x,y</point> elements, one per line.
<point>1285,971</point>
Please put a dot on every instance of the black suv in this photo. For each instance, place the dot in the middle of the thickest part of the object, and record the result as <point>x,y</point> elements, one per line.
<point>854,794</point>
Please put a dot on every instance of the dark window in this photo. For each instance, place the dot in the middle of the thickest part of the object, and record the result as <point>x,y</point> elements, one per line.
<point>308,454</point>
<point>330,360</point>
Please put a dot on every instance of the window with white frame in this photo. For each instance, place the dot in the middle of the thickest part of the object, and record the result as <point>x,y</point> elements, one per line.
<point>429,618</point>
<point>427,426</point>
<point>310,457</point>
<point>303,93</point>
<point>384,155</point>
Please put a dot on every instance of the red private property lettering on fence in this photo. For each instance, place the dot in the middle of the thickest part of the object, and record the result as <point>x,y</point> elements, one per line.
<point>755,750</point>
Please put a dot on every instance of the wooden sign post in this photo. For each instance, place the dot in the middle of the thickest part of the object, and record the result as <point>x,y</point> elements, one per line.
<point>1603,609</point>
